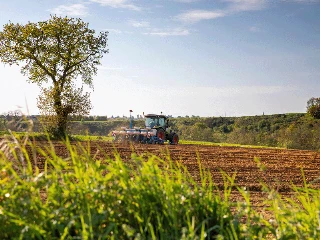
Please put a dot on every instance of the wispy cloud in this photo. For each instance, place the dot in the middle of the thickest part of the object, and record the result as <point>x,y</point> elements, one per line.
<point>302,1</point>
<point>117,31</point>
<point>168,32</point>
<point>186,1</point>
<point>254,29</point>
<point>111,30</point>
<point>194,16</point>
<point>139,24</point>
<point>76,10</point>
<point>237,90</point>
<point>118,4</point>
<point>210,92</point>
<point>233,6</point>
<point>107,68</point>
<point>245,5</point>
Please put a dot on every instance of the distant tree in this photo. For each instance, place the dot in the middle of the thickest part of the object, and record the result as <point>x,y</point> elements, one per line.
<point>54,53</point>
<point>313,107</point>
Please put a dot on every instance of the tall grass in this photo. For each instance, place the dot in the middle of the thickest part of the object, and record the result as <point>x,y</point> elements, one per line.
<point>80,197</point>
<point>298,216</point>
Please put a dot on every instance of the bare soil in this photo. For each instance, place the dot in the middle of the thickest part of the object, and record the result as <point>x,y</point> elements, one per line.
<point>282,167</point>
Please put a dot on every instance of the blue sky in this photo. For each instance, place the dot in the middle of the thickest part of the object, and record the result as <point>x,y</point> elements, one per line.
<point>187,57</point>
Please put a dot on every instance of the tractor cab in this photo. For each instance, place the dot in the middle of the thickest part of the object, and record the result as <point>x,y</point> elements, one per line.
<point>155,121</point>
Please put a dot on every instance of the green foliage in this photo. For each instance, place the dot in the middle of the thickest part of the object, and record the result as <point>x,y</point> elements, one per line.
<point>313,107</point>
<point>3,123</point>
<point>56,51</point>
<point>279,130</point>
<point>80,197</point>
<point>303,134</point>
<point>143,198</point>
<point>73,101</point>
<point>297,217</point>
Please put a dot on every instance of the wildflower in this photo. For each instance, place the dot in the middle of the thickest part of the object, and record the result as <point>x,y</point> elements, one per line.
<point>272,221</point>
<point>183,198</point>
<point>7,195</point>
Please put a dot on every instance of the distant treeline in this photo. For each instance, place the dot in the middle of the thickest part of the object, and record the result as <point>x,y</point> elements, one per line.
<point>298,131</point>
<point>294,130</point>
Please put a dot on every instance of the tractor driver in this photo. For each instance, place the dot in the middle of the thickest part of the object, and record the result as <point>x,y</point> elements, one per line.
<point>152,124</point>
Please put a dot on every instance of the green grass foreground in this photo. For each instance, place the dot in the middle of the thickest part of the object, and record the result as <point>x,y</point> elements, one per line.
<point>80,197</point>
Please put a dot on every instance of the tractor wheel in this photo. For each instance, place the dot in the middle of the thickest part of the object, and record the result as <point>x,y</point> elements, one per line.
<point>174,139</point>
<point>161,134</point>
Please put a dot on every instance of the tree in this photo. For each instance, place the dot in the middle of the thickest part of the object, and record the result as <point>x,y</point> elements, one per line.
<point>313,107</point>
<point>54,53</point>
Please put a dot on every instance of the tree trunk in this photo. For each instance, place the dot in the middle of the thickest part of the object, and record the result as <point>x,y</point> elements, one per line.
<point>60,130</point>
<point>61,127</point>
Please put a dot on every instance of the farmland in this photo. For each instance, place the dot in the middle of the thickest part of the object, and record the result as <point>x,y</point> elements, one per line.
<point>277,168</point>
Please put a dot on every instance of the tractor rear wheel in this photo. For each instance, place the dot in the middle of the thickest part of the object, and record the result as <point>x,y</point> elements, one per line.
<point>161,134</point>
<point>174,139</point>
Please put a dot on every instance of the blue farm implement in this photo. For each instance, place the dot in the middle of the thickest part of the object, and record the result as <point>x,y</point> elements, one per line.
<point>156,131</point>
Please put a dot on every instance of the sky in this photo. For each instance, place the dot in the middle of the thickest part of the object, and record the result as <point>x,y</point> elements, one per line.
<point>186,57</point>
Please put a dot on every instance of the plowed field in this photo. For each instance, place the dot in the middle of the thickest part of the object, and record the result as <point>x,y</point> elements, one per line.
<point>282,167</point>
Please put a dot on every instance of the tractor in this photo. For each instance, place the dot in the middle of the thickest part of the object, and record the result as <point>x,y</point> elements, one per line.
<point>156,131</point>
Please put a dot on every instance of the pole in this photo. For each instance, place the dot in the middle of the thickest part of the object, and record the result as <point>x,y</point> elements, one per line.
<point>131,120</point>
